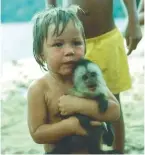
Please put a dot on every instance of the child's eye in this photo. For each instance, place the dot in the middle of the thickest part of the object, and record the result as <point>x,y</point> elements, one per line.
<point>77,43</point>
<point>58,44</point>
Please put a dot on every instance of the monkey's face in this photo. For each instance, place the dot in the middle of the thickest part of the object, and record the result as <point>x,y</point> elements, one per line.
<point>88,79</point>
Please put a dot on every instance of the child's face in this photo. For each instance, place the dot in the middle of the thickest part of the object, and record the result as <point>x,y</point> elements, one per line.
<point>61,52</point>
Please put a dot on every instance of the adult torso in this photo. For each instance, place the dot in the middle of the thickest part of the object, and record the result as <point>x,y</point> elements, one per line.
<point>99,18</point>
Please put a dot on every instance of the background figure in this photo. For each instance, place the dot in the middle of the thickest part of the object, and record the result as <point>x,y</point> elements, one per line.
<point>105,47</point>
<point>141,12</point>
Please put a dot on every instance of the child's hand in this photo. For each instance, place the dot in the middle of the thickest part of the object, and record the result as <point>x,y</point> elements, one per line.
<point>95,123</point>
<point>77,128</point>
<point>67,105</point>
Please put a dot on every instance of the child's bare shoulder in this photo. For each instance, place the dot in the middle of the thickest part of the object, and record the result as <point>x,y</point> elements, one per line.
<point>39,86</point>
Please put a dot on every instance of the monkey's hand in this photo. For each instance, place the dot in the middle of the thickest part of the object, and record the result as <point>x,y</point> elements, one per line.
<point>103,102</point>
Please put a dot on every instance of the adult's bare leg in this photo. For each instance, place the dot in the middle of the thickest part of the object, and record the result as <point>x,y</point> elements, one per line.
<point>119,130</point>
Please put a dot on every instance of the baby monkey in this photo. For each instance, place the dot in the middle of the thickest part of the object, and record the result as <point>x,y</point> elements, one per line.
<point>88,83</point>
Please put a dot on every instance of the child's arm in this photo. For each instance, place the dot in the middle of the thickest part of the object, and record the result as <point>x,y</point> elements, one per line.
<point>111,114</point>
<point>71,104</point>
<point>40,131</point>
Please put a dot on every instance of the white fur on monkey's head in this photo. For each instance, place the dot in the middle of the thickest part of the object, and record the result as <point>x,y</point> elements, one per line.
<point>82,67</point>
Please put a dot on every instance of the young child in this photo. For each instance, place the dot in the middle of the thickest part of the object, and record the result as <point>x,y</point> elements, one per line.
<point>105,47</point>
<point>59,42</point>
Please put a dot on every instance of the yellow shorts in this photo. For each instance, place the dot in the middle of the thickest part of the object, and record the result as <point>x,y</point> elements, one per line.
<point>108,52</point>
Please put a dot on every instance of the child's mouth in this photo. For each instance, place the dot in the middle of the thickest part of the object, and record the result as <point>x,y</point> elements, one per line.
<point>69,63</point>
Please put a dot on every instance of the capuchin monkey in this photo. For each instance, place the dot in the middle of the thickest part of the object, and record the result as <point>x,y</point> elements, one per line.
<point>88,83</point>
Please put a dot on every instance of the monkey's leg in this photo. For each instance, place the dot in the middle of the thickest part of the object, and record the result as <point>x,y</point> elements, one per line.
<point>108,136</point>
<point>103,102</point>
<point>95,137</point>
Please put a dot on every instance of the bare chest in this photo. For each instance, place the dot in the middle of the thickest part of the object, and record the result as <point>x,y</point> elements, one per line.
<point>55,91</point>
<point>52,100</point>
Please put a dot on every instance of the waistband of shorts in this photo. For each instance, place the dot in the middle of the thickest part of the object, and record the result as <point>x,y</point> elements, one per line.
<point>105,35</point>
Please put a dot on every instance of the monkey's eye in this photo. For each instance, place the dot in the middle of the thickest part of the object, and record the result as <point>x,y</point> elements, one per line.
<point>93,74</point>
<point>84,77</point>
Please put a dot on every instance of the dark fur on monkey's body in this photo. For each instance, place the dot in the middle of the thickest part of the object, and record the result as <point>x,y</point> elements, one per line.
<point>88,83</point>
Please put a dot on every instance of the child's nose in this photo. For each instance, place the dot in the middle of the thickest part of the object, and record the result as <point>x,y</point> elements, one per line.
<point>69,50</point>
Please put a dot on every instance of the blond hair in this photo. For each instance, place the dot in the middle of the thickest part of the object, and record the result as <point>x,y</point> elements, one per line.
<point>56,16</point>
